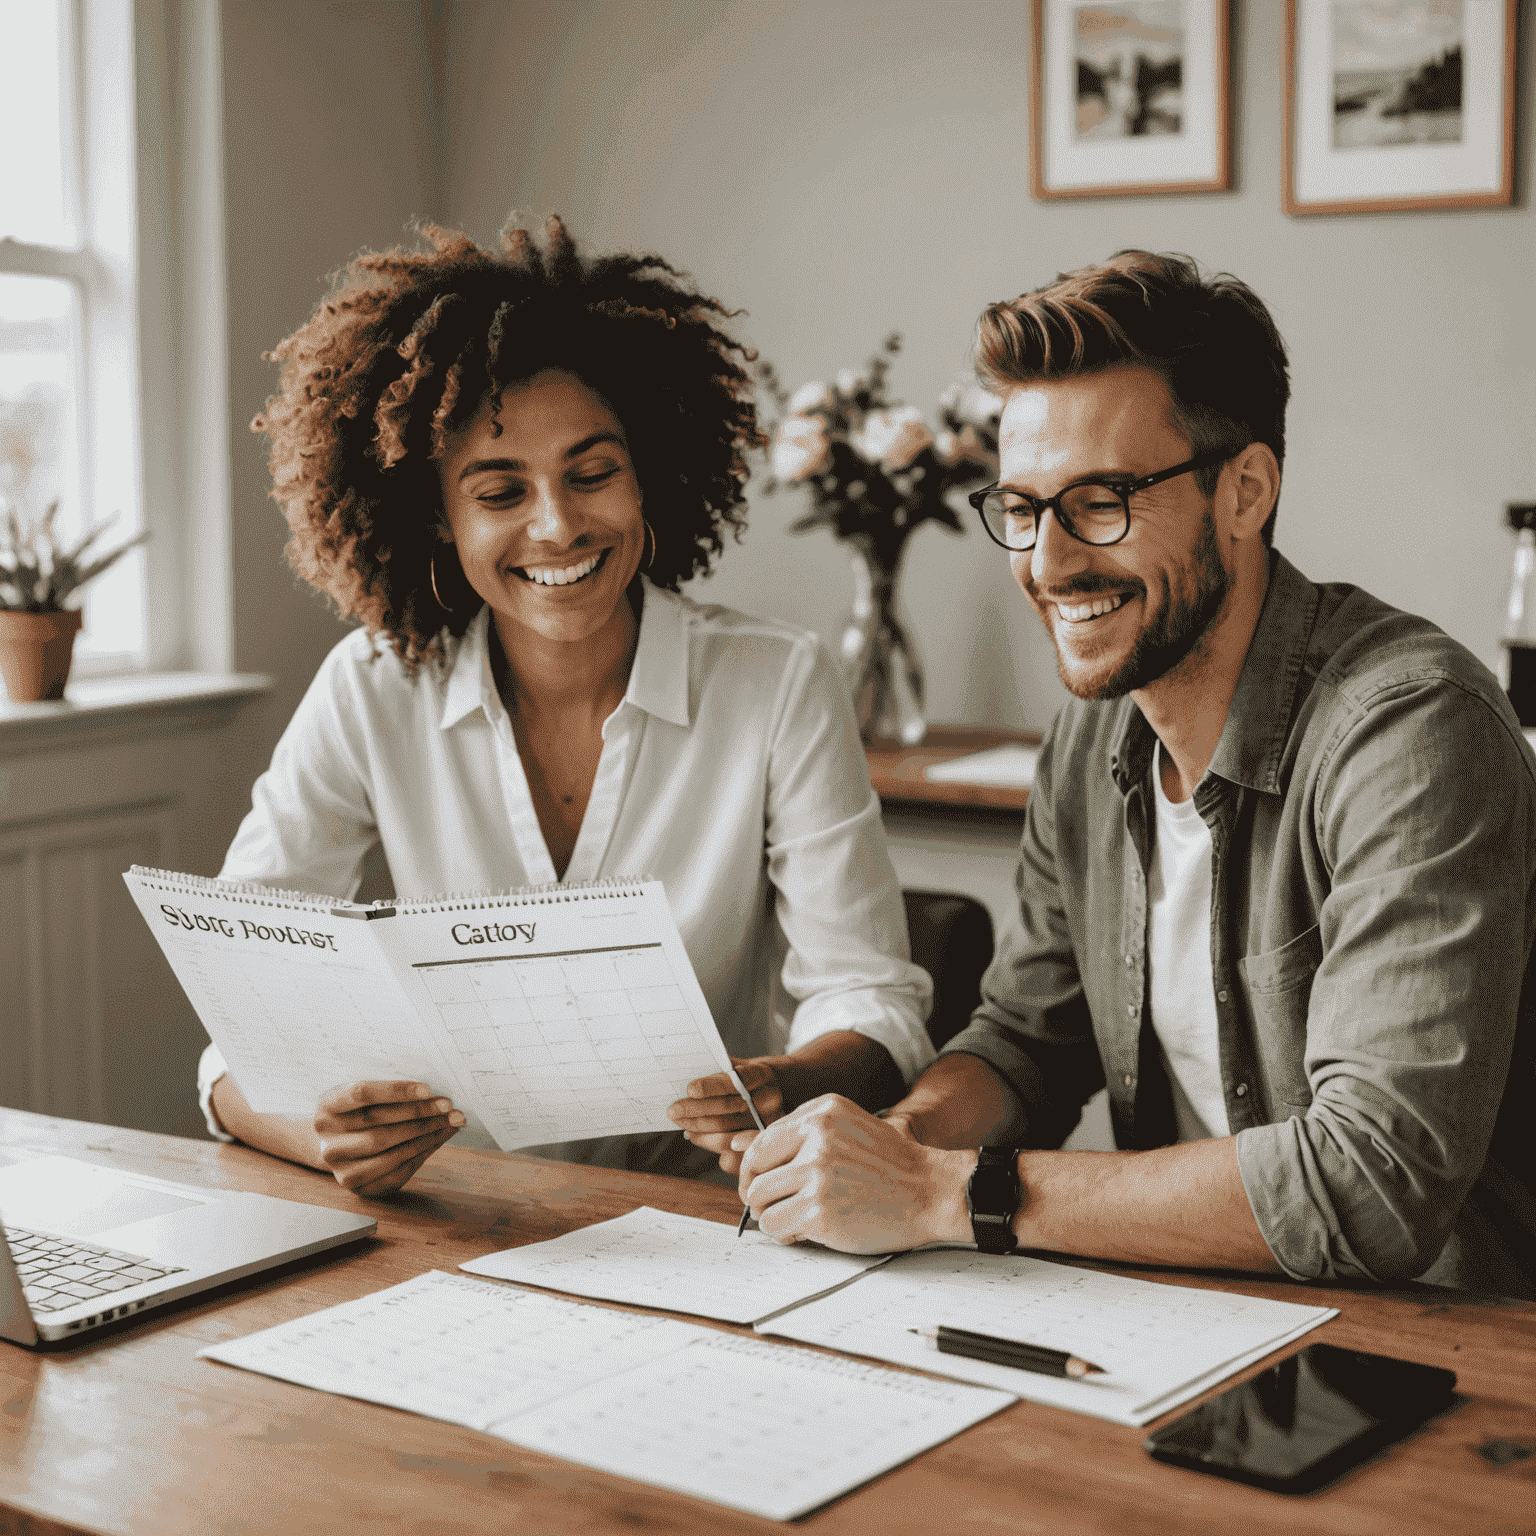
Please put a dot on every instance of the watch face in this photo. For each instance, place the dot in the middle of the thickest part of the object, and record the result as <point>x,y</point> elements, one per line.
<point>994,1190</point>
<point>992,1197</point>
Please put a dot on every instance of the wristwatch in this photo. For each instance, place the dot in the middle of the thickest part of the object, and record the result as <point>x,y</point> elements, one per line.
<point>992,1196</point>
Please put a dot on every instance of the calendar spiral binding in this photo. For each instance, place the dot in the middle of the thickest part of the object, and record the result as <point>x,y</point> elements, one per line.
<point>250,892</point>
<point>253,893</point>
<point>522,896</point>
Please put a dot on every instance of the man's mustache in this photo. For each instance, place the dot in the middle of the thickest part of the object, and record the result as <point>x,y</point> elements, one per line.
<point>1089,584</point>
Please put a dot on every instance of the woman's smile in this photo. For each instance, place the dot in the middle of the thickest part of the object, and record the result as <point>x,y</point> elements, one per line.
<point>561,576</point>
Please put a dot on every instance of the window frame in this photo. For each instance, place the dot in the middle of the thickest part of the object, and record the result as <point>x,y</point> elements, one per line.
<point>98,157</point>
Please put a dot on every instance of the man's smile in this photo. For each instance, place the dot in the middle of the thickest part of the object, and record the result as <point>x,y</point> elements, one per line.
<point>1086,610</point>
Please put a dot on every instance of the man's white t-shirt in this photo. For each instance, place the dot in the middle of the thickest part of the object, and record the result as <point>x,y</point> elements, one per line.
<point>1179,955</point>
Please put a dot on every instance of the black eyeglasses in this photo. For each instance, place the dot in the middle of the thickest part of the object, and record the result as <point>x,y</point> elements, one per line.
<point>1091,511</point>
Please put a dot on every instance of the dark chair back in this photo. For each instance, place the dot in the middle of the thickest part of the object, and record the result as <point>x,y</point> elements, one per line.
<point>952,940</point>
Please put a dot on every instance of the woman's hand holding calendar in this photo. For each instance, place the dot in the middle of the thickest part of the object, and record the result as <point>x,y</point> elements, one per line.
<point>374,1136</point>
<point>715,1117</point>
<point>714,1112</point>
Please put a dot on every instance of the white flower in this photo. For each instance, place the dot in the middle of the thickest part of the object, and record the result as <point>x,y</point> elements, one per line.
<point>893,437</point>
<point>847,381</point>
<point>800,448</point>
<point>808,397</point>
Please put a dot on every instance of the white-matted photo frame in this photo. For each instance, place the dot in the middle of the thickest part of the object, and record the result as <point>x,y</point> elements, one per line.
<point>1399,104</point>
<point>1130,99</point>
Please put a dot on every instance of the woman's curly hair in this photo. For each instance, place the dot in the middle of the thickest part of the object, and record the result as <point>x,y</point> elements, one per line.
<point>406,346</point>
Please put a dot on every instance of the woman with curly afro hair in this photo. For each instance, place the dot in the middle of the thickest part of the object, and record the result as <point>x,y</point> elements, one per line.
<point>502,465</point>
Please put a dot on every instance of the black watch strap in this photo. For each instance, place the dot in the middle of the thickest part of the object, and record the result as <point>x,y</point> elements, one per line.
<point>992,1196</point>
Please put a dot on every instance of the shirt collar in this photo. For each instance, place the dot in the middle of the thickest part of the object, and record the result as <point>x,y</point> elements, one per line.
<point>658,680</point>
<point>470,685</point>
<point>1259,717</point>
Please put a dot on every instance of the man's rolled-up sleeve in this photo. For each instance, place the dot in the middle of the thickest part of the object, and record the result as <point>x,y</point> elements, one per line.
<point>1033,1025</point>
<point>1424,813</point>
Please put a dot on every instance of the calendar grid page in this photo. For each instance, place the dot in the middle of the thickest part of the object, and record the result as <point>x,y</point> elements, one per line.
<point>1158,1345</point>
<point>650,1258</point>
<point>567,1015</point>
<point>760,1427</point>
<point>297,999</point>
<point>547,1015</point>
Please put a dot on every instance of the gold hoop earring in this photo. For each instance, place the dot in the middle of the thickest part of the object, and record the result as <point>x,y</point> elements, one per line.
<point>651,534</point>
<point>432,576</point>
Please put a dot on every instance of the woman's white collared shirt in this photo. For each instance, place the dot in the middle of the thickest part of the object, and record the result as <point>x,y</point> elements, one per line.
<point>731,771</point>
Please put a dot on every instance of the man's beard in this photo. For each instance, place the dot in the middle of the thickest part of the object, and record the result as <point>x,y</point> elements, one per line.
<point>1181,625</point>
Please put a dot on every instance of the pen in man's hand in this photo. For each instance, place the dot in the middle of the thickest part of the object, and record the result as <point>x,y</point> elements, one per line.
<point>757,1120</point>
<point>1022,1357</point>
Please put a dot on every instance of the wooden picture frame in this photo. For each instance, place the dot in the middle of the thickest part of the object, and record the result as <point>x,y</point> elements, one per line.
<point>1355,141</point>
<point>1130,99</point>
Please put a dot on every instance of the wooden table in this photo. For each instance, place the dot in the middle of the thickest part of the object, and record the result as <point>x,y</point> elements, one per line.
<point>128,1432</point>
<point>896,770</point>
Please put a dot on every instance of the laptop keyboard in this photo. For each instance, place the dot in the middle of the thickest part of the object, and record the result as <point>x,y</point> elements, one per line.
<point>59,1272</point>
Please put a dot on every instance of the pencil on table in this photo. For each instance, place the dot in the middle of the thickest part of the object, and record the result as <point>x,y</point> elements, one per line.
<point>1010,1352</point>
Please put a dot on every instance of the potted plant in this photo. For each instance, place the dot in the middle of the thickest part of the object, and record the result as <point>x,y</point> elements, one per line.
<point>37,573</point>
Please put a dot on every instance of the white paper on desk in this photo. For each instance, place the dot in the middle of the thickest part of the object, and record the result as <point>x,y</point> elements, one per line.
<point>757,1426</point>
<point>1159,1344</point>
<point>773,1431</point>
<point>653,1258</point>
<point>465,1351</point>
<point>1010,767</point>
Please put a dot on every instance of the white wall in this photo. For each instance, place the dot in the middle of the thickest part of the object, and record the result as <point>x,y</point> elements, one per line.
<point>329,133</point>
<point>842,168</point>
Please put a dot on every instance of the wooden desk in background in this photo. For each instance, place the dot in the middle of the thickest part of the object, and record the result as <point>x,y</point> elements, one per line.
<point>128,1432</point>
<point>951,837</point>
<point>896,770</point>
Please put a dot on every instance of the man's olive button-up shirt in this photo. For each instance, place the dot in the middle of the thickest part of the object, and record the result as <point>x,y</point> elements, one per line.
<point>1372,810</point>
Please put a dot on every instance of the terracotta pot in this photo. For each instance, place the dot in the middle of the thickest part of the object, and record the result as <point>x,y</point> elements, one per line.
<point>35,651</point>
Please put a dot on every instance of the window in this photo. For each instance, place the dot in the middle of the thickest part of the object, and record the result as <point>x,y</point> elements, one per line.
<point>68,298</point>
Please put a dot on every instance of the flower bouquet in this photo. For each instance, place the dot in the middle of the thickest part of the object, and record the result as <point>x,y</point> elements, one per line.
<point>876,472</point>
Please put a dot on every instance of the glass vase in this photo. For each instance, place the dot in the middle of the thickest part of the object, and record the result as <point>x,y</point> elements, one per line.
<point>878,656</point>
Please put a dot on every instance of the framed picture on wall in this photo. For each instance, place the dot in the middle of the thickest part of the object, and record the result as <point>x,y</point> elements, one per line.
<point>1393,104</point>
<point>1130,98</point>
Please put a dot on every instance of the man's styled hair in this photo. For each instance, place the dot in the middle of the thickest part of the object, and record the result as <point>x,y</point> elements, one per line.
<point>1210,338</point>
<point>407,345</point>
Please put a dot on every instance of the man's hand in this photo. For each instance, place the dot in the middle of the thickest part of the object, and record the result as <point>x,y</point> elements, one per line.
<point>374,1136</point>
<point>713,1113</point>
<point>833,1173</point>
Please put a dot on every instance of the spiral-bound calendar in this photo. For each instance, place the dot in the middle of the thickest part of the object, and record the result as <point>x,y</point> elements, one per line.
<point>550,1014</point>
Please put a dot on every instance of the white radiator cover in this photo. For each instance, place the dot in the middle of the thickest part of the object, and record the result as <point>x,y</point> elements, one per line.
<point>93,1025</point>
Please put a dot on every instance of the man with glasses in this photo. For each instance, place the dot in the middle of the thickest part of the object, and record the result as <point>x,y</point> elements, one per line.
<point>1275,885</point>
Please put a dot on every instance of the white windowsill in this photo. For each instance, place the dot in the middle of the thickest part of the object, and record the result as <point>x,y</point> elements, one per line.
<point>96,709</point>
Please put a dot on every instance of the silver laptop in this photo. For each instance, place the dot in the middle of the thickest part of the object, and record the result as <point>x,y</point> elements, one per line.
<point>85,1245</point>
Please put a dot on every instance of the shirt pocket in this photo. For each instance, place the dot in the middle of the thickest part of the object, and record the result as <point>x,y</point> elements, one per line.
<point>1279,988</point>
